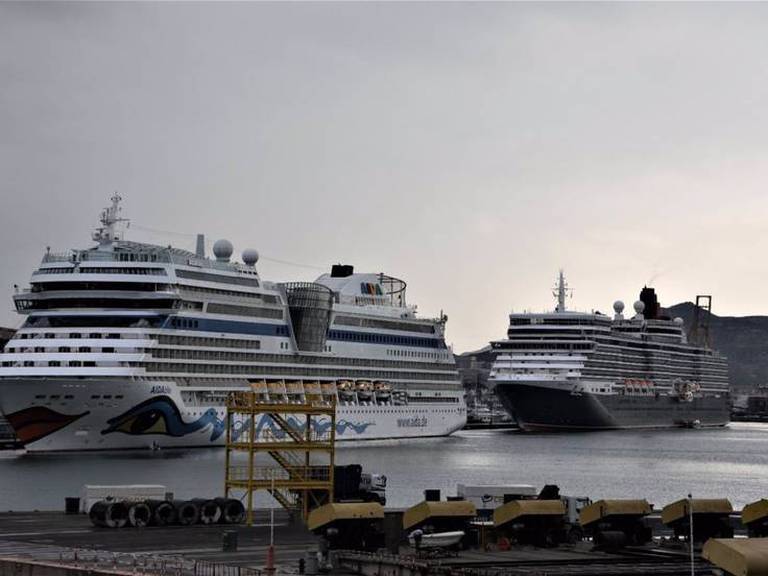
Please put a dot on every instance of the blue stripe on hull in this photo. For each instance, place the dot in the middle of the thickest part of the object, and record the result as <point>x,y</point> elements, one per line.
<point>264,329</point>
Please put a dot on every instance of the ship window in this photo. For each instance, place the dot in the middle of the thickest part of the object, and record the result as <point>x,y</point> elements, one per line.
<point>89,363</point>
<point>65,349</point>
<point>95,335</point>
<point>54,363</point>
<point>75,335</point>
<point>194,275</point>
<point>108,350</point>
<point>75,363</point>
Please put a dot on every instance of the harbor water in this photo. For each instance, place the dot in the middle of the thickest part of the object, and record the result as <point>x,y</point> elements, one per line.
<point>660,465</point>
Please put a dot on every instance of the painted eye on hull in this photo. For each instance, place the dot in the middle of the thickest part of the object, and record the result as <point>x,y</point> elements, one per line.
<point>160,415</point>
<point>150,422</point>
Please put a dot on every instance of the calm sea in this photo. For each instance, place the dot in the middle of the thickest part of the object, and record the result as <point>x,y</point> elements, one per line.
<point>661,466</point>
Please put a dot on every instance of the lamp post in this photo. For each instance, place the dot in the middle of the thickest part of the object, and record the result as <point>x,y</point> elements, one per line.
<point>271,550</point>
<point>690,535</point>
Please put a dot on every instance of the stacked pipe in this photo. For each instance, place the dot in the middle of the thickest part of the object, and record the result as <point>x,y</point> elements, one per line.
<point>140,513</point>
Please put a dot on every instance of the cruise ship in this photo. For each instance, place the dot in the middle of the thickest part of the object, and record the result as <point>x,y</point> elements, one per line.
<point>132,345</point>
<point>567,370</point>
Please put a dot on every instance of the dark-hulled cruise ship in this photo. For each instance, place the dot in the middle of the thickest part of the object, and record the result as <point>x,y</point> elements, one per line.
<point>566,370</point>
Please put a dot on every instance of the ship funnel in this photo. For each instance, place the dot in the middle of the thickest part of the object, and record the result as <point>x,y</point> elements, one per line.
<point>200,247</point>
<point>310,306</point>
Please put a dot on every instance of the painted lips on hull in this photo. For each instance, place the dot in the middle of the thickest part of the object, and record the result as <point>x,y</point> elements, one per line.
<point>37,422</point>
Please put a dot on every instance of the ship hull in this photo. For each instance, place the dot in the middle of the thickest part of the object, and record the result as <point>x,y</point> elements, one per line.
<point>549,408</point>
<point>54,415</point>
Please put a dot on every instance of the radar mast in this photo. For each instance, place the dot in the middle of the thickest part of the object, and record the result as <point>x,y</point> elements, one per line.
<point>560,291</point>
<point>110,217</point>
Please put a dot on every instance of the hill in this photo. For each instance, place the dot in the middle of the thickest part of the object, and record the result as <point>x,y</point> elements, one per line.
<point>742,339</point>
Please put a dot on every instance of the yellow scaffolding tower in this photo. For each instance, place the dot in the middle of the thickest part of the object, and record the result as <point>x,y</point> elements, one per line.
<point>295,433</point>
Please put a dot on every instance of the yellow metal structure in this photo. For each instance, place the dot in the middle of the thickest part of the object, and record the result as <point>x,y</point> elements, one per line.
<point>426,510</point>
<point>680,511</point>
<point>740,557</point>
<point>607,508</point>
<point>283,442</point>
<point>522,508</point>
<point>754,512</point>
<point>329,513</point>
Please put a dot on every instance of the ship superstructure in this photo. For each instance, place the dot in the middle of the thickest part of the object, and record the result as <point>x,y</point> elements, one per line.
<point>129,345</point>
<point>567,370</point>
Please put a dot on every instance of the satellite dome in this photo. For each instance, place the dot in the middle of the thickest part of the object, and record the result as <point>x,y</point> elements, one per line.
<point>639,307</point>
<point>223,249</point>
<point>618,306</point>
<point>679,321</point>
<point>250,256</point>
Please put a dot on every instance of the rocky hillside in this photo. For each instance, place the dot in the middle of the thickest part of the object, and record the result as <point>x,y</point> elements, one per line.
<point>743,340</point>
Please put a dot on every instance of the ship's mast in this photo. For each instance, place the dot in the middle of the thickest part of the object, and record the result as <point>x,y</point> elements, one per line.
<point>560,292</point>
<point>110,217</point>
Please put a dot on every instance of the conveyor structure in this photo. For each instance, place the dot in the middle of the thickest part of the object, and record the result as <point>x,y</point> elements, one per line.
<point>349,525</point>
<point>738,556</point>
<point>616,523</point>
<point>440,516</point>
<point>710,518</point>
<point>535,522</point>
<point>754,517</point>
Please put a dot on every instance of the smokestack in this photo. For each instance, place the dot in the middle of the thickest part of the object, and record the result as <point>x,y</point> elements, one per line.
<point>200,248</point>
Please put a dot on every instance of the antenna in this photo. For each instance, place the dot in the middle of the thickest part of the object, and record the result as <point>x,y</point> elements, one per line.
<point>560,291</point>
<point>110,216</point>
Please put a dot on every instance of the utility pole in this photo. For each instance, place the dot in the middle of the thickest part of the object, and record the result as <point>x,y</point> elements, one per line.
<point>690,536</point>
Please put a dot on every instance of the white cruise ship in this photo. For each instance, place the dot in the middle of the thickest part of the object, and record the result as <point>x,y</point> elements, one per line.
<point>131,345</point>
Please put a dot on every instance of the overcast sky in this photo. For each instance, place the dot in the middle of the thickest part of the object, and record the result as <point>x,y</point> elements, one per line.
<point>470,149</point>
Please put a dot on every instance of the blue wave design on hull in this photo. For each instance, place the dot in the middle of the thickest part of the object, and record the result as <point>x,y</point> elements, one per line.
<point>322,427</point>
<point>160,415</point>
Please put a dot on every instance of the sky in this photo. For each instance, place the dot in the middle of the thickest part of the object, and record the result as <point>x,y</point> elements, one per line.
<point>472,149</point>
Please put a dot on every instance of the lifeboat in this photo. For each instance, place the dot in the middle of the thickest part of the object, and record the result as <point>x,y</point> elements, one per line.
<point>383,391</point>
<point>346,390</point>
<point>276,389</point>
<point>364,390</point>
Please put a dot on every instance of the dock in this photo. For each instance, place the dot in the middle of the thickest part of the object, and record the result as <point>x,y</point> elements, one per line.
<point>73,540</point>
<point>69,545</point>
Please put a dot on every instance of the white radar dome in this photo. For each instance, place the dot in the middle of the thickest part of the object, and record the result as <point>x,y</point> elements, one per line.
<point>679,321</point>
<point>250,256</point>
<point>223,249</point>
<point>639,307</point>
<point>618,306</point>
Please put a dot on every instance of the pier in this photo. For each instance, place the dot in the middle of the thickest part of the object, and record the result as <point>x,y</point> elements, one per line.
<point>55,544</point>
